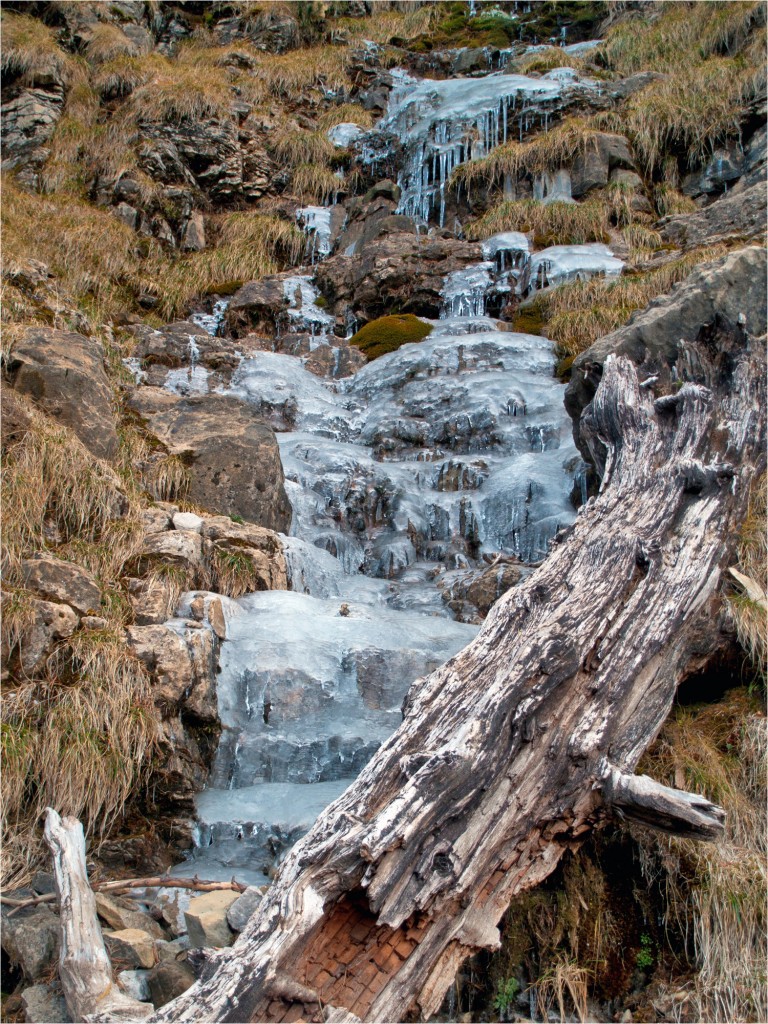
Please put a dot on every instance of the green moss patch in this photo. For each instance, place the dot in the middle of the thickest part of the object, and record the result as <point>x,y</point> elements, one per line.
<point>388,333</point>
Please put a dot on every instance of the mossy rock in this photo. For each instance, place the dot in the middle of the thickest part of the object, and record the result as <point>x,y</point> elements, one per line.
<point>529,320</point>
<point>388,333</point>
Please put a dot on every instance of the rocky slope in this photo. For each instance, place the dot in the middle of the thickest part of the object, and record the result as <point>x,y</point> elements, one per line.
<point>203,203</point>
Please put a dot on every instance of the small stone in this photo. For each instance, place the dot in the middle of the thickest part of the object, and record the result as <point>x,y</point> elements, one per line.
<point>168,980</point>
<point>130,947</point>
<point>171,950</point>
<point>121,917</point>
<point>207,919</point>
<point>187,521</point>
<point>194,233</point>
<point>135,985</point>
<point>216,619</point>
<point>176,547</point>
<point>42,1005</point>
<point>43,883</point>
<point>197,608</point>
<point>344,609</point>
<point>93,622</point>
<point>626,1017</point>
<point>244,907</point>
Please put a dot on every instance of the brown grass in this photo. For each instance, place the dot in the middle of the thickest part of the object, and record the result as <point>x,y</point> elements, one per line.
<point>550,223</point>
<point>716,891</point>
<point>293,145</point>
<point>578,313</point>
<point>108,41</point>
<point>29,50</point>
<point>345,113</point>
<point>750,613</point>
<point>315,183</point>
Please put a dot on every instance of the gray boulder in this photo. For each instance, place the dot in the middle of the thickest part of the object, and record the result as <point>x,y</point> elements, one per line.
<point>167,980</point>
<point>31,939</point>
<point>64,374</point>
<point>737,215</point>
<point>244,907</point>
<point>55,580</point>
<point>232,455</point>
<point>44,1005</point>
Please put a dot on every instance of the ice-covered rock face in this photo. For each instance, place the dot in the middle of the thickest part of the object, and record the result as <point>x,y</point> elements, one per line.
<point>441,124</point>
<point>315,221</point>
<point>303,314</point>
<point>561,263</point>
<point>343,135</point>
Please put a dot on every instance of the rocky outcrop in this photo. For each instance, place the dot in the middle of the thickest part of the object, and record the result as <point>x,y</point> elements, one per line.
<point>727,294</point>
<point>45,624</point>
<point>32,107</point>
<point>55,580</point>
<point>471,595</point>
<point>257,306</point>
<point>64,374</point>
<point>396,273</point>
<point>739,215</point>
<point>592,167</point>
<point>232,455</point>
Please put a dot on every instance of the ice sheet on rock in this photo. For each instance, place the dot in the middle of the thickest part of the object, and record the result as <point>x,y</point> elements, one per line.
<point>464,291</point>
<point>133,365</point>
<point>187,380</point>
<point>315,221</point>
<point>507,244</point>
<point>561,263</point>
<point>344,134</point>
<point>444,123</point>
<point>553,187</point>
<point>303,314</point>
<point>578,49</point>
<point>211,322</point>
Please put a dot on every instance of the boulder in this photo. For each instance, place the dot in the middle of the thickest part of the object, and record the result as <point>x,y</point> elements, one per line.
<point>62,582</point>
<point>172,950</point>
<point>193,239</point>
<point>257,307</point>
<point>48,623</point>
<point>135,985</point>
<point>335,362</point>
<point>151,599</point>
<point>592,167</point>
<point>207,919</point>
<point>187,521</point>
<point>28,121</point>
<point>174,547</point>
<point>183,668</point>
<point>116,915</point>
<point>232,455</point>
<point>399,271</point>
<point>31,939</point>
<point>130,947</point>
<point>729,291</point>
<point>43,1004</point>
<point>263,548</point>
<point>244,907</point>
<point>736,215</point>
<point>64,374</point>
<point>167,980</point>
<point>472,595</point>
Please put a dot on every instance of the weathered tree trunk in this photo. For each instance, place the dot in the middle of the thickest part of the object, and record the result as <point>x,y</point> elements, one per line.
<point>84,967</point>
<point>512,751</point>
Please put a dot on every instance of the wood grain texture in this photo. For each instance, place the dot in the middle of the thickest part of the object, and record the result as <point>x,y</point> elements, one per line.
<point>524,741</point>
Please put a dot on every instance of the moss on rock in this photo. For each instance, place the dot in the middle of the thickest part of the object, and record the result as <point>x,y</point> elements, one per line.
<point>388,333</point>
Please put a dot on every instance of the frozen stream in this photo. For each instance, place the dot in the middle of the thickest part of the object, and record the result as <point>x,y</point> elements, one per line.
<point>427,463</point>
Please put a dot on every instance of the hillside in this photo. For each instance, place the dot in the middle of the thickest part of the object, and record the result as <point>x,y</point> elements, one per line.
<point>310,315</point>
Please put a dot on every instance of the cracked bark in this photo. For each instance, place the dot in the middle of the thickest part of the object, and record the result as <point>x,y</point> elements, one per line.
<point>512,751</point>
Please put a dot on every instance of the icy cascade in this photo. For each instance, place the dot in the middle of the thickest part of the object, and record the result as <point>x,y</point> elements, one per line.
<point>442,124</point>
<point>561,263</point>
<point>315,222</point>
<point>303,313</point>
<point>211,322</point>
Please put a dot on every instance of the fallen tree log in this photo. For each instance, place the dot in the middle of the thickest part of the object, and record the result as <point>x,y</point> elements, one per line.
<point>511,752</point>
<point>84,967</point>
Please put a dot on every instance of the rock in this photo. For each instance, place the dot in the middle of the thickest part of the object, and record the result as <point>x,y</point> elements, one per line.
<point>31,940</point>
<point>335,362</point>
<point>44,1005</point>
<point>151,599</point>
<point>193,239</point>
<point>128,215</point>
<point>64,374</point>
<point>592,167</point>
<point>93,622</point>
<point>207,919</point>
<point>233,457</point>
<point>130,947</point>
<point>48,623</point>
<point>477,591</point>
<point>175,547</point>
<point>167,980</point>
<point>183,668</point>
<point>187,521</point>
<point>156,519</point>
<point>244,907</point>
<point>629,178</point>
<point>63,582</point>
<point>257,306</point>
<point>399,271</point>
<point>121,917</point>
<point>263,548</point>
<point>737,215</point>
<point>385,189</point>
<point>216,618</point>
<point>135,985</point>
<point>28,122</point>
<point>721,291</point>
<point>171,950</point>
<point>470,59</point>
<point>43,883</point>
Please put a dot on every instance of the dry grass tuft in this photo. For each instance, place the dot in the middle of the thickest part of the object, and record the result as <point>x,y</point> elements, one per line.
<point>546,59</point>
<point>233,573</point>
<point>314,183</point>
<point>668,201</point>
<point>545,152</point>
<point>576,314</point>
<point>81,740</point>
<point>30,51</point>
<point>293,145</point>
<point>716,891</point>
<point>119,76</point>
<point>550,223</point>
<point>323,67</point>
<point>345,113</point>
<point>749,609</point>
<point>108,41</point>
